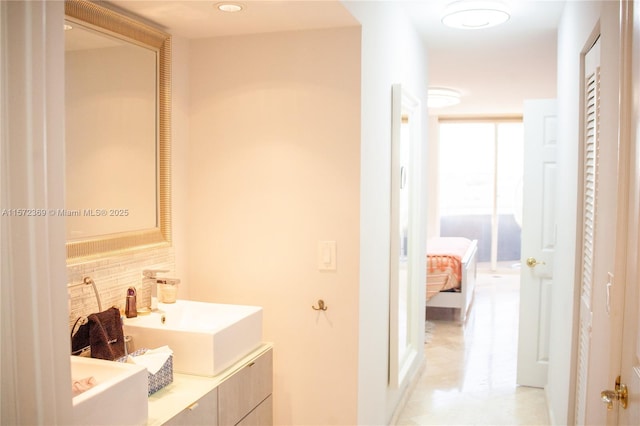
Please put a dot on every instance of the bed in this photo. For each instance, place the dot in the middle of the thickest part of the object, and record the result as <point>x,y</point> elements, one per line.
<point>451,273</point>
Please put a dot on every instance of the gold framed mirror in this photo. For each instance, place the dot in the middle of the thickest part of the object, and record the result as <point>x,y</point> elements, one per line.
<point>97,224</point>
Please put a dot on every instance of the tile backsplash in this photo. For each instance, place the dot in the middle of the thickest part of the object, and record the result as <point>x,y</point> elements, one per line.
<point>113,276</point>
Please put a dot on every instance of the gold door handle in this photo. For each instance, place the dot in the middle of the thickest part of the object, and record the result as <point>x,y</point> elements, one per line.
<point>532,262</point>
<point>619,394</point>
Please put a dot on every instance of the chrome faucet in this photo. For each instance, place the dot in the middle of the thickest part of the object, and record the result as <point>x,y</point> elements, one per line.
<point>151,274</point>
<point>150,277</point>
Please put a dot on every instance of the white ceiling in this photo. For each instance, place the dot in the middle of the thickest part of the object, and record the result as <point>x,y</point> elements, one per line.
<point>494,68</point>
<point>200,18</point>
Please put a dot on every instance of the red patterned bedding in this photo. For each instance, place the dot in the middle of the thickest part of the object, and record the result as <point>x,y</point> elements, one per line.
<point>444,263</point>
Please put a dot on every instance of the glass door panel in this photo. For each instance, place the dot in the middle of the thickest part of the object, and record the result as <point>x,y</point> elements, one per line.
<point>480,176</point>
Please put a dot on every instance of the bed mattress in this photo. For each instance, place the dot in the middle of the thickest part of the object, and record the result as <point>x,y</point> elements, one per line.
<point>444,263</point>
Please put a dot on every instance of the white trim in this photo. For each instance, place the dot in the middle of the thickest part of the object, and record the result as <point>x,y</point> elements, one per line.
<point>35,362</point>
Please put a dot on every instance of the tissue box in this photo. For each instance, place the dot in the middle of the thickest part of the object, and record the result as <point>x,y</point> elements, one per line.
<point>162,378</point>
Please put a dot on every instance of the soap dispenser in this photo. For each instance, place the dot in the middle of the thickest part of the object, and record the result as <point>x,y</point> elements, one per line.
<point>130,309</point>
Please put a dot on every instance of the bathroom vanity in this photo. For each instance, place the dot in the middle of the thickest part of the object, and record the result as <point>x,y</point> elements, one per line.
<point>240,395</point>
<point>223,373</point>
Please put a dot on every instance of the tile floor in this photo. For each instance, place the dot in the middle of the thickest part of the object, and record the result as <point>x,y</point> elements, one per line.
<point>469,378</point>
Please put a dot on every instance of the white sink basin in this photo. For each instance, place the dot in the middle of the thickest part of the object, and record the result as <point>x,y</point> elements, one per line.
<point>205,337</point>
<point>119,396</point>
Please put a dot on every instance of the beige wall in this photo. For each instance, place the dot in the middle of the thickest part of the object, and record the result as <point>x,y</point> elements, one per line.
<point>273,168</point>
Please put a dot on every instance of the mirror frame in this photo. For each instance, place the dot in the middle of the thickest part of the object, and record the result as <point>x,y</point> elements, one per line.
<point>405,108</point>
<point>110,22</point>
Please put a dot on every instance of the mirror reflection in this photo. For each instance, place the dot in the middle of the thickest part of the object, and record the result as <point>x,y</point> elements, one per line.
<point>111,134</point>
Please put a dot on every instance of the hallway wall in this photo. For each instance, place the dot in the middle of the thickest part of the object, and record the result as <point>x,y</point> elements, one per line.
<point>392,52</point>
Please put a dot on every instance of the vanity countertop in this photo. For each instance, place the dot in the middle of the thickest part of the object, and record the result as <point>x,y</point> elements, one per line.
<point>187,389</point>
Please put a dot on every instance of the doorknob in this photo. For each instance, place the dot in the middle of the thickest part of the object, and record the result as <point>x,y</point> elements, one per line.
<point>619,394</point>
<point>532,262</point>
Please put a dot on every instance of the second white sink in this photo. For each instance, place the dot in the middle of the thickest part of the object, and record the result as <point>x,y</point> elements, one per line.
<point>205,337</point>
<point>119,396</point>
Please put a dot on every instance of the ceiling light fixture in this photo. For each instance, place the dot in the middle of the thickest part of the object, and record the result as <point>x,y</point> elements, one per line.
<point>229,7</point>
<point>475,14</point>
<point>440,97</point>
<point>67,27</point>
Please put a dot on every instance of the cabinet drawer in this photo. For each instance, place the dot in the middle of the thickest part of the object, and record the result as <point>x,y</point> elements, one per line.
<point>262,415</point>
<point>202,412</point>
<point>245,390</point>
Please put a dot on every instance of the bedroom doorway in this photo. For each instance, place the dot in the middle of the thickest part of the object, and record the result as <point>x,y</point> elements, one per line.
<point>484,202</point>
<point>481,177</point>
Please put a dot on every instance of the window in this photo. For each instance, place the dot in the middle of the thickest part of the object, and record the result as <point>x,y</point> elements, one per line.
<point>480,182</point>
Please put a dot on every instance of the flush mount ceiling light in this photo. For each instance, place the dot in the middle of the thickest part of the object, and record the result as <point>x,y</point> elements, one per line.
<point>229,7</point>
<point>440,97</point>
<point>475,14</point>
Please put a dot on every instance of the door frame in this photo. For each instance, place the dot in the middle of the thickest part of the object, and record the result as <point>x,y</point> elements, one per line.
<point>630,150</point>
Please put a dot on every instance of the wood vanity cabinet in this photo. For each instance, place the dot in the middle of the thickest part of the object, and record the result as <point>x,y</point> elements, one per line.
<point>242,398</point>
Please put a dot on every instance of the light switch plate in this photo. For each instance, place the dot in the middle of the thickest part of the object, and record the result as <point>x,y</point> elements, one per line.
<point>326,255</point>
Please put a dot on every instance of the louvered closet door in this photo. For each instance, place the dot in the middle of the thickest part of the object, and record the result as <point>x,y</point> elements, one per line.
<point>591,141</point>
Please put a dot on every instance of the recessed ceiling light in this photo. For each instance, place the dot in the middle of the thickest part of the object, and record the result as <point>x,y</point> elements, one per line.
<point>229,7</point>
<point>440,97</point>
<point>475,14</point>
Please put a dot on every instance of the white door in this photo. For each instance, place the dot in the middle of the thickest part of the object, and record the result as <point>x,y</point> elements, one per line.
<point>538,240</point>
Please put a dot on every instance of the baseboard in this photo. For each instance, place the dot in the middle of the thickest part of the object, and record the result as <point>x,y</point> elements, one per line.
<point>552,420</point>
